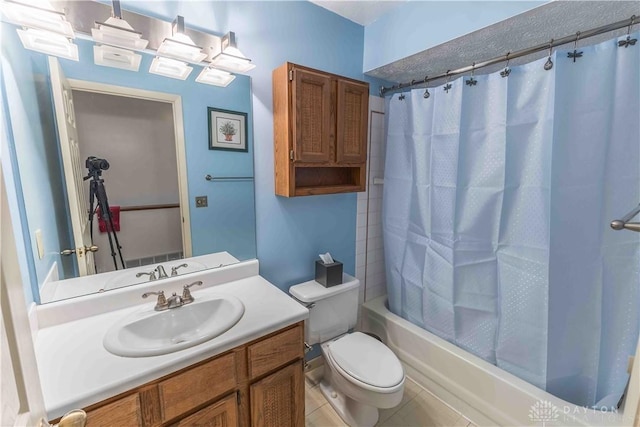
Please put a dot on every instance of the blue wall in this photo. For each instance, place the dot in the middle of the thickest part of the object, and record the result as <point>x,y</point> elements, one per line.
<point>290,232</point>
<point>419,25</point>
<point>29,121</point>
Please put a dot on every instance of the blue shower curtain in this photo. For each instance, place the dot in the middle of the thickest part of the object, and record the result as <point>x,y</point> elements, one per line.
<point>497,203</point>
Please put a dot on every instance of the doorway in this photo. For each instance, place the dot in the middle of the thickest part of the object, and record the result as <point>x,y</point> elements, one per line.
<point>139,133</point>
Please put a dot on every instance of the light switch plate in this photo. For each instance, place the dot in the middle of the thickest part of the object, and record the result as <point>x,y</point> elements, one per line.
<point>201,202</point>
<point>39,244</point>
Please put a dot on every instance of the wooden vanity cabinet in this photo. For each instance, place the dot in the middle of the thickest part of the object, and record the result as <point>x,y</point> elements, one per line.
<point>320,132</point>
<point>275,399</point>
<point>260,383</point>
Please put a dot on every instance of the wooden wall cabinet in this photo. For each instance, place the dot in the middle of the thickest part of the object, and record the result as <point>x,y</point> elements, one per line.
<point>320,132</point>
<point>258,384</point>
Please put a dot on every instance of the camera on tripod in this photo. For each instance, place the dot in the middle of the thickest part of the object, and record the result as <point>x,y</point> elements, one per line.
<point>96,164</point>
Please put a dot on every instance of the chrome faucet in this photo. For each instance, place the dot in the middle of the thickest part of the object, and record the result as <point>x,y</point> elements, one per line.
<point>186,293</point>
<point>161,304</point>
<point>175,300</point>
<point>152,275</point>
<point>174,269</point>
<point>161,273</point>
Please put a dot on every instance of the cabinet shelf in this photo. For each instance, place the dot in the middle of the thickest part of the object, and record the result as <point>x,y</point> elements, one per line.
<point>320,132</point>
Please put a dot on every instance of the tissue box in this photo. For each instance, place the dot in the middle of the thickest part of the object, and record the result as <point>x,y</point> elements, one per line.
<point>329,274</point>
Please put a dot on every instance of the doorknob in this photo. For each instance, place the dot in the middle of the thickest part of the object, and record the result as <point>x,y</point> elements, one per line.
<point>92,248</point>
<point>75,418</point>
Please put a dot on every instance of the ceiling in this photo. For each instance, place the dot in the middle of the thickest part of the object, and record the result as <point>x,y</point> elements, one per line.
<point>362,12</point>
<point>552,20</point>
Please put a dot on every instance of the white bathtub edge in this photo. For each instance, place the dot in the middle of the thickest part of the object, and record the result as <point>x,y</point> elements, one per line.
<point>492,397</point>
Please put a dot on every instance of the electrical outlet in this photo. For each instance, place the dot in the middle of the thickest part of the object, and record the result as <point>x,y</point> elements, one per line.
<point>201,202</point>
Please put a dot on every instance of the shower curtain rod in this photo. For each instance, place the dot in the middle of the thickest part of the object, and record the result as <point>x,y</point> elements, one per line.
<point>517,54</point>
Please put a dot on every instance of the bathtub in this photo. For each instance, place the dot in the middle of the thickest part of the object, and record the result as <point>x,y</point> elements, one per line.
<point>484,393</point>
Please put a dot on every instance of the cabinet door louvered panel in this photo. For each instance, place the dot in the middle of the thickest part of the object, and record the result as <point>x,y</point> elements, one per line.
<point>312,125</point>
<point>352,112</point>
<point>278,400</point>
<point>122,412</point>
<point>220,414</point>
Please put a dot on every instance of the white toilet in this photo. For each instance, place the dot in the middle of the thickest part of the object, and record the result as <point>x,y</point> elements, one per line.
<point>361,374</point>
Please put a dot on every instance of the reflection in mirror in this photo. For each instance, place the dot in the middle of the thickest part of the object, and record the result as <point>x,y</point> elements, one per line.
<point>153,132</point>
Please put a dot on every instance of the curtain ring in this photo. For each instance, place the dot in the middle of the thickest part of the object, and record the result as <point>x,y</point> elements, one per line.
<point>629,41</point>
<point>575,54</point>
<point>549,64</point>
<point>426,92</point>
<point>472,81</point>
<point>447,86</point>
<point>507,70</point>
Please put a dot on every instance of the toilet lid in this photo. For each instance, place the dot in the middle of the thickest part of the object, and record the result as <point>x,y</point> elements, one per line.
<point>367,359</point>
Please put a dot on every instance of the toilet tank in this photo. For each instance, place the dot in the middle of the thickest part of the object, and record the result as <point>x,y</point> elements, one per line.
<point>332,311</point>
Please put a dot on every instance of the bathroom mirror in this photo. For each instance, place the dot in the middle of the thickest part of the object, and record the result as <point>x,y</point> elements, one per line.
<point>171,195</point>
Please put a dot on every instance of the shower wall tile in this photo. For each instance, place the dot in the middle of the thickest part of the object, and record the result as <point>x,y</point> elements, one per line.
<point>369,244</point>
<point>362,218</point>
<point>375,232</point>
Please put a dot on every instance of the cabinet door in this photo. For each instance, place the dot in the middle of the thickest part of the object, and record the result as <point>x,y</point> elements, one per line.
<point>187,390</point>
<point>278,350</point>
<point>312,125</point>
<point>223,413</point>
<point>278,400</point>
<point>352,113</point>
<point>122,412</point>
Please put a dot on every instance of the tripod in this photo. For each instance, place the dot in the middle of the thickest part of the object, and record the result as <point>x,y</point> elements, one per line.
<point>97,191</point>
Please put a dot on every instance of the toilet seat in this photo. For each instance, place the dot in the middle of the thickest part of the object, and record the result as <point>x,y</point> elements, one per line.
<point>366,362</point>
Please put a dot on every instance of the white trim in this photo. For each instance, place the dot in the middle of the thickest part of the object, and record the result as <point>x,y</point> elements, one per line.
<point>14,320</point>
<point>50,284</point>
<point>182,177</point>
<point>178,121</point>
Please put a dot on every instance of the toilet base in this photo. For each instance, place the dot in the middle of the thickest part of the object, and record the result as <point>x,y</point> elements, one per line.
<point>354,413</point>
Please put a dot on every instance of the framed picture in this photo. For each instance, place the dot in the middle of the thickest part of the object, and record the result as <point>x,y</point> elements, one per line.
<point>227,130</point>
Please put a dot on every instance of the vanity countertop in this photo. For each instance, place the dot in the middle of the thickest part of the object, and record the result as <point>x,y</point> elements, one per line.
<point>76,370</point>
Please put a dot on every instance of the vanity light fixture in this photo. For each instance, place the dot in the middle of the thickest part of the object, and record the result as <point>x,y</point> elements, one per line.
<point>170,68</point>
<point>230,58</point>
<point>117,31</point>
<point>215,77</point>
<point>110,56</point>
<point>37,14</point>
<point>180,45</point>
<point>48,43</point>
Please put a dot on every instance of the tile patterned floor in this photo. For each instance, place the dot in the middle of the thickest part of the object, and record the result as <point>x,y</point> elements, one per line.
<point>419,408</point>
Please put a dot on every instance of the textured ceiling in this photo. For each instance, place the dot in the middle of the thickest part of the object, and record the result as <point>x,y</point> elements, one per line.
<point>537,26</point>
<point>362,12</point>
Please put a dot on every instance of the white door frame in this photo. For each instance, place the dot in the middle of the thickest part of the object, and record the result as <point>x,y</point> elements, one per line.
<point>20,363</point>
<point>70,153</point>
<point>178,125</point>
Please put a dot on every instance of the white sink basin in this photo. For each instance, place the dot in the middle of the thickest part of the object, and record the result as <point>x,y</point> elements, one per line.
<point>150,333</point>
